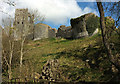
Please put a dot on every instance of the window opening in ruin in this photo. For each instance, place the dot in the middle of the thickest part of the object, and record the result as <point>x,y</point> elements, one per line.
<point>18,22</point>
<point>29,19</point>
<point>77,22</point>
<point>22,22</point>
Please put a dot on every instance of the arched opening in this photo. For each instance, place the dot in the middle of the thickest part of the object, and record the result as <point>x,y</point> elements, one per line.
<point>17,22</point>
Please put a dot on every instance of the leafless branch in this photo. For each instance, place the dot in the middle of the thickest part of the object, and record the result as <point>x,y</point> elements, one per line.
<point>38,17</point>
<point>10,3</point>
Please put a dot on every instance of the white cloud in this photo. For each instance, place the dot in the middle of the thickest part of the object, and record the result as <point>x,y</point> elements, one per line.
<point>88,10</point>
<point>98,0</point>
<point>55,11</point>
<point>86,0</point>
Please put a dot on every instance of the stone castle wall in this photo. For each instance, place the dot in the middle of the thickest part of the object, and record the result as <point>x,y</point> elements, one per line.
<point>42,31</point>
<point>64,32</point>
<point>51,33</point>
<point>79,27</point>
<point>24,23</point>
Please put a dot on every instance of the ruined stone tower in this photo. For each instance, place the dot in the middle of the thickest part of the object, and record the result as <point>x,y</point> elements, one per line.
<point>24,23</point>
<point>79,27</point>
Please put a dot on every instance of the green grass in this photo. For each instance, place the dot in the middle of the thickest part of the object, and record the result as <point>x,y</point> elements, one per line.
<point>72,56</point>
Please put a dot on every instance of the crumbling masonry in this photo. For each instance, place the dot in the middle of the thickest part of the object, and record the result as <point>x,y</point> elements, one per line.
<point>24,24</point>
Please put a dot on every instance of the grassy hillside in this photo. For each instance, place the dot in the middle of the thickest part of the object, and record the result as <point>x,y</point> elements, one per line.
<point>80,60</point>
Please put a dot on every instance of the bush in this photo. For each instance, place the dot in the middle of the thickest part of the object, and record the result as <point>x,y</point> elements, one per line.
<point>92,23</point>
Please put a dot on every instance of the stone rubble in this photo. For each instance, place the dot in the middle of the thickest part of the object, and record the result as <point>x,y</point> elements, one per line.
<point>51,70</point>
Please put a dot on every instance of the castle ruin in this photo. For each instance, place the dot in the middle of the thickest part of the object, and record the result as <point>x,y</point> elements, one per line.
<point>64,32</point>
<point>43,31</point>
<point>24,23</point>
<point>79,27</point>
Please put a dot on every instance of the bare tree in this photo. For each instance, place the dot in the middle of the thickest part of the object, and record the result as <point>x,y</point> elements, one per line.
<point>7,23</point>
<point>8,48</point>
<point>10,2</point>
<point>24,34</point>
<point>112,58</point>
<point>8,39</point>
<point>38,17</point>
<point>113,9</point>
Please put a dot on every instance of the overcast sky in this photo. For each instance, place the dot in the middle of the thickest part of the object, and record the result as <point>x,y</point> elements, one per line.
<point>56,12</point>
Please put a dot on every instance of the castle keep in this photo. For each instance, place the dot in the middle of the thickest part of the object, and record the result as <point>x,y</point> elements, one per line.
<point>24,23</point>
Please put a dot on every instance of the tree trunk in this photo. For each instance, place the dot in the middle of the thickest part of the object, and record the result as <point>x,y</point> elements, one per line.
<point>10,72</point>
<point>111,58</point>
<point>10,60</point>
<point>21,52</point>
<point>9,68</point>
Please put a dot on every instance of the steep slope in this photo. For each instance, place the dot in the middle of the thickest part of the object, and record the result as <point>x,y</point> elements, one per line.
<point>80,60</point>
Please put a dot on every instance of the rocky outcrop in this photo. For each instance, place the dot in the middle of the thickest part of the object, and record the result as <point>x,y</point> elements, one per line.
<point>42,31</point>
<point>64,32</point>
<point>51,70</point>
